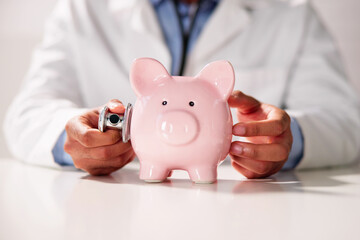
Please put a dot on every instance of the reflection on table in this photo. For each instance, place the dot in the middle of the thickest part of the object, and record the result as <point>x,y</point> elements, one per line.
<point>43,203</point>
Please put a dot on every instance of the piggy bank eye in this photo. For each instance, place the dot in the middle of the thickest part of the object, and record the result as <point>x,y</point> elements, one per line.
<point>164,103</point>
<point>191,103</point>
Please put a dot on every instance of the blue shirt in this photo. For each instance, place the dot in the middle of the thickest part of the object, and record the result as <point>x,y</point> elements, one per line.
<point>182,24</point>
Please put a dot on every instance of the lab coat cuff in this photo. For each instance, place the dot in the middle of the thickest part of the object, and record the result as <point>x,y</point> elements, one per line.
<point>52,131</point>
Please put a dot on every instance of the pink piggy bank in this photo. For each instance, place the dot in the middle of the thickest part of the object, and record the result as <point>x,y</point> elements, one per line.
<point>181,123</point>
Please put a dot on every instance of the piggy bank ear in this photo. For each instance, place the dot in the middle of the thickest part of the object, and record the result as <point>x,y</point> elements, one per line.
<point>221,75</point>
<point>146,74</point>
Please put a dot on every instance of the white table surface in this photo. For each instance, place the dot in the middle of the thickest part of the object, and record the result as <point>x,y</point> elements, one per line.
<point>41,203</point>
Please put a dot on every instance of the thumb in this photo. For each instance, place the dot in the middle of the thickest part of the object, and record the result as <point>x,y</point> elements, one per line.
<point>115,106</point>
<point>244,103</point>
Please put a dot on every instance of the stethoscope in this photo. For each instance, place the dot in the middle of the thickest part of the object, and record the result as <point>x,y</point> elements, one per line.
<point>122,123</point>
<point>108,120</point>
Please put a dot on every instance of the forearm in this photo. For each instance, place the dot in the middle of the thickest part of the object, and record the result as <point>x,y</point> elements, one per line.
<point>49,96</point>
<point>31,130</point>
<point>330,138</point>
<point>322,100</point>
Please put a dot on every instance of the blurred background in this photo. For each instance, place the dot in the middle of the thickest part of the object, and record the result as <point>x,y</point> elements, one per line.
<point>22,21</point>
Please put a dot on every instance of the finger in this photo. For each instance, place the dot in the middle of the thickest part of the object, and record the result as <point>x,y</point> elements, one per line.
<point>275,125</point>
<point>285,138</point>
<point>256,166</point>
<point>244,103</point>
<point>90,137</point>
<point>246,172</point>
<point>94,138</point>
<point>102,171</point>
<point>88,164</point>
<point>130,159</point>
<point>75,149</point>
<point>108,152</point>
<point>109,170</point>
<point>274,152</point>
<point>116,106</point>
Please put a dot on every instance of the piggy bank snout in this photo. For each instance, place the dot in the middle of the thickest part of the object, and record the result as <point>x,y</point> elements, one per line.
<point>177,127</point>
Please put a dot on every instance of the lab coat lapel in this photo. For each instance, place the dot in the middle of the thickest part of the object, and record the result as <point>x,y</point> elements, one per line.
<point>229,19</point>
<point>141,34</point>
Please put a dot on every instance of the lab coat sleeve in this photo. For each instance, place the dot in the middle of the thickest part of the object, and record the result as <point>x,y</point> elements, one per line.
<point>49,96</point>
<point>321,99</point>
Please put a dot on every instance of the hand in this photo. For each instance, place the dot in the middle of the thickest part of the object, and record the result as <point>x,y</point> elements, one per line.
<point>98,153</point>
<point>267,130</point>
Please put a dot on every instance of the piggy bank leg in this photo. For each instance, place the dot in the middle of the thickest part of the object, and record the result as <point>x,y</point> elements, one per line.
<point>153,173</point>
<point>203,174</point>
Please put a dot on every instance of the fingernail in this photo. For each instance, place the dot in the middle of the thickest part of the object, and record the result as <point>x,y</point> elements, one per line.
<point>113,105</point>
<point>239,130</point>
<point>235,93</point>
<point>236,149</point>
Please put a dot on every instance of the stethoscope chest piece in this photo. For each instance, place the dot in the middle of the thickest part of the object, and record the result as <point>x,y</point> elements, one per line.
<point>108,120</point>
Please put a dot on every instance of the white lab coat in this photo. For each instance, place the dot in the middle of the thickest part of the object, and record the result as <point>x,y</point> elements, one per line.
<point>281,53</point>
